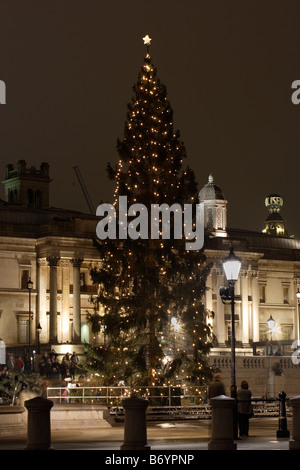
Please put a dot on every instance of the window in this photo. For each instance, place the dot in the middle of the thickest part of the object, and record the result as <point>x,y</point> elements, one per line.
<point>38,198</point>
<point>286,332</point>
<point>25,275</point>
<point>285,295</point>
<point>85,333</point>
<point>262,293</point>
<point>23,331</point>
<point>29,197</point>
<point>263,336</point>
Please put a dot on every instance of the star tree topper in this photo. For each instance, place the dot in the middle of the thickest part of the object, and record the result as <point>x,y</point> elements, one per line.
<point>147,40</point>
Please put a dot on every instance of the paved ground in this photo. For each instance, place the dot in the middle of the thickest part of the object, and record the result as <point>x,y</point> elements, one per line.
<point>170,436</point>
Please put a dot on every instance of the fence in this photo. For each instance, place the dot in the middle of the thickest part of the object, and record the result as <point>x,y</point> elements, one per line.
<point>172,402</point>
<point>112,396</point>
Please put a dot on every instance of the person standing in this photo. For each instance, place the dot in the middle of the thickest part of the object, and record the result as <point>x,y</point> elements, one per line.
<point>244,408</point>
<point>19,365</point>
<point>216,387</point>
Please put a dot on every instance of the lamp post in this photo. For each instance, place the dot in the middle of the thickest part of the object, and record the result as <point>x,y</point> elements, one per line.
<point>232,266</point>
<point>29,287</point>
<point>271,325</point>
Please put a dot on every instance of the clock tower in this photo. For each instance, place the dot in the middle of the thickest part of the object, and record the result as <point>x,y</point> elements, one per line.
<point>274,224</point>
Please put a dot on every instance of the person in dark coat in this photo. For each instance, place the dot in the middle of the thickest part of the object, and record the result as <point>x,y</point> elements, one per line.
<point>216,387</point>
<point>244,408</point>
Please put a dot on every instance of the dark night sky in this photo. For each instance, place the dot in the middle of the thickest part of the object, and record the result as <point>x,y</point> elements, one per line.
<point>69,67</point>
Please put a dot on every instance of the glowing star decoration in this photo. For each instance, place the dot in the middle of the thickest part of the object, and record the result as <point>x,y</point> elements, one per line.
<point>147,40</point>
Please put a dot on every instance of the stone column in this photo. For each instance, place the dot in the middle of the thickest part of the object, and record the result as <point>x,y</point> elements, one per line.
<point>38,425</point>
<point>65,313</point>
<point>255,306</point>
<point>53,260</point>
<point>245,309</point>
<point>294,443</point>
<point>76,300</point>
<point>41,298</point>
<point>209,292</point>
<point>222,423</point>
<point>220,314</point>
<point>135,426</point>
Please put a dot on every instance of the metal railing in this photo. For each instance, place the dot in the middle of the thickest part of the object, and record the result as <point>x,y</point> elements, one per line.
<point>173,402</point>
<point>113,396</point>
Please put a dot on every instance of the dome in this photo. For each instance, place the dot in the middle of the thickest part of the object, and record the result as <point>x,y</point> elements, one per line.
<point>210,191</point>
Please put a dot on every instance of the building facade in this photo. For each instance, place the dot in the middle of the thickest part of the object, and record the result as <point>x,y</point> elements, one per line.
<point>54,248</point>
<point>268,282</point>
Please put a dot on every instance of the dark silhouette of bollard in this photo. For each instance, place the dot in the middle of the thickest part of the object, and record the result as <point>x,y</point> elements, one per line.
<point>294,443</point>
<point>38,425</point>
<point>135,426</point>
<point>222,432</point>
<point>282,422</point>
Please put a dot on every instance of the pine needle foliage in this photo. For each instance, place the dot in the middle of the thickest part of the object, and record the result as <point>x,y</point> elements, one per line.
<point>149,304</point>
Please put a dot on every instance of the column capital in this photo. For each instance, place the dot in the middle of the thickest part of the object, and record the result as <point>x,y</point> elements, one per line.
<point>76,262</point>
<point>42,262</point>
<point>53,260</point>
<point>244,273</point>
<point>65,263</point>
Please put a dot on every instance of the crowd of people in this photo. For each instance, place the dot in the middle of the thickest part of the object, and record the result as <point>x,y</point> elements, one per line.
<point>16,364</point>
<point>49,366</point>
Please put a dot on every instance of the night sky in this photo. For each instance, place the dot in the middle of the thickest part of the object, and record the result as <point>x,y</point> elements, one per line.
<point>69,67</point>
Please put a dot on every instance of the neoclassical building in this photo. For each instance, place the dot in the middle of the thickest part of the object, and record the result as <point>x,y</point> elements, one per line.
<point>267,284</point>
<point>54,248</point>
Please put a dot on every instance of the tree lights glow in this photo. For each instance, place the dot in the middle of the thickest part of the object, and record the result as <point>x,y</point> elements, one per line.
<point>148,275</point>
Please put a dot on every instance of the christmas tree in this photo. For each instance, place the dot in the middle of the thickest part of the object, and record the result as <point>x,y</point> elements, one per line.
<point>149,303</point>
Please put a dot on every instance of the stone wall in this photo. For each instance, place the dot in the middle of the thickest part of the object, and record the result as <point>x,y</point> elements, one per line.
<point>13,419</point>
<point>79,416</point>
<point>266,375</point>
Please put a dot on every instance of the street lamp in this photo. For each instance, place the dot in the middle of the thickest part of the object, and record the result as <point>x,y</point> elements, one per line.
<point>231,266</point>
<point>29,287</point>
<point>271,325</point>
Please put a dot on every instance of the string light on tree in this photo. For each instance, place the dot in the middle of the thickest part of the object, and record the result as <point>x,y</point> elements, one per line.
<point>144,283</point>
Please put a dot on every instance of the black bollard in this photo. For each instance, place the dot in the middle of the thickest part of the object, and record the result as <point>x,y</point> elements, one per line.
<point>222,435</point>
<point>282,422</point>
<point>135,426</point>
<point>38,427</point>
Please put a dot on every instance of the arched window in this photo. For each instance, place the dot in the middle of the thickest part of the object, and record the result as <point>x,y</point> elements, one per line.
<point>38,198</point>
<point>29,197</point>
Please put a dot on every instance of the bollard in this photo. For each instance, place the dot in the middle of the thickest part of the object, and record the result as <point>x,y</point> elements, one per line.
<point>222,423</point>
<point>294,443</point>
<point>38,426</point>
<point>135,427</point>
<point>282,422</point>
